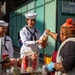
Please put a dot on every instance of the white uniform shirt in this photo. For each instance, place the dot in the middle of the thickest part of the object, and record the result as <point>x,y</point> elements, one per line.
<point>25,37</point>
<point>8,44</point>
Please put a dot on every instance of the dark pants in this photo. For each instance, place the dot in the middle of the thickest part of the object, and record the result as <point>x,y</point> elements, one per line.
<point>20,43</point>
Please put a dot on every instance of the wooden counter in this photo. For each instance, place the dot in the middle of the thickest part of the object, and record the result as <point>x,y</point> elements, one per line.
<point>28,73</point>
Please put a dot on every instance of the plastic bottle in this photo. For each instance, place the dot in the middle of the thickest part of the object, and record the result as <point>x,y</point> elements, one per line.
<point>44,38</point>
<point>13,62</point>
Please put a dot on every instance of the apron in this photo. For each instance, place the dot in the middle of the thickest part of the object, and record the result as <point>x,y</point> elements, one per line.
<point>59,59</point>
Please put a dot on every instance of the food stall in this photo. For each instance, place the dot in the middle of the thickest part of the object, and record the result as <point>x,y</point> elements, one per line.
<point>18,66</point>
<point>27,65</point>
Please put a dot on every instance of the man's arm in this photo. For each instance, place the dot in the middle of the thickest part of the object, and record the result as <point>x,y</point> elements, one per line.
<point>52,34</point>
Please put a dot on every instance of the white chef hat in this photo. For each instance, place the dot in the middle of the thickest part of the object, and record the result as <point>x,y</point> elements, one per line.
<point>30,15</point>
<point>3,23</point>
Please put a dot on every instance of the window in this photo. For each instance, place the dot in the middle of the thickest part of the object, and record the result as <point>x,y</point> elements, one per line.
<point>19,2</point>
<point>69,0</point>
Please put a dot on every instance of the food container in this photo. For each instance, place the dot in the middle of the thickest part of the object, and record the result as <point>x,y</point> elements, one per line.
<point>5,61</point>
<point>15,71</point>
<point>34,61</point>
<point>19,61</point>
<point>13,62</point>
<point>25,63</point>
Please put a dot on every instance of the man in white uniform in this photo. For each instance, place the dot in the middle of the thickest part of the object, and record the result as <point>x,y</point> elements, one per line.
<point>30,36</point>
<point>7,47</point>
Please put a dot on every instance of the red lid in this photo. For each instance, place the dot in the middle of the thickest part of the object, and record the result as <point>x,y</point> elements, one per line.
<point>5,55</point>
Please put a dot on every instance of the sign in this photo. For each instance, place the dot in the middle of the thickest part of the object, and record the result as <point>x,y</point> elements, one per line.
<point>68,7</point>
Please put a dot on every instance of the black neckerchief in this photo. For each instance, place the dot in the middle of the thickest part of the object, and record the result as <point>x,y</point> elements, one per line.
<point>5,43</point>
<point>32,34</point>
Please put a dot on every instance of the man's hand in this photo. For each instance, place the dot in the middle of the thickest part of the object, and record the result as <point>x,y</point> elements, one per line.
<point>42,43</point>
<point>47,31</point>
<point>39,41</point>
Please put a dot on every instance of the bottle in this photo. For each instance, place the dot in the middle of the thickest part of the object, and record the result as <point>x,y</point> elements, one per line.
<point>15,70</point>
<point>25,63</point>
<point>19,61</point>
<point>13,62</point>
<point>44,38</point>
<point>34,61</point>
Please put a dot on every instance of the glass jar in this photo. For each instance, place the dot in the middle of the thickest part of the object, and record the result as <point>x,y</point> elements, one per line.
<point>13,62</point>
<point>24,63</point>
<point>15,71</point>
<point>34,61</point>
<point>19,61</point>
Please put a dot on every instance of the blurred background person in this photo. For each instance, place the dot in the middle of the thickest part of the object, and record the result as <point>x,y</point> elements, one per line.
<point>7,47</point>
